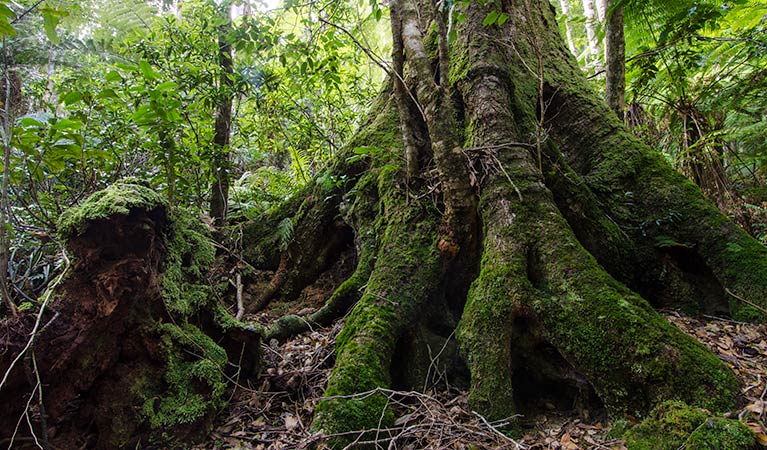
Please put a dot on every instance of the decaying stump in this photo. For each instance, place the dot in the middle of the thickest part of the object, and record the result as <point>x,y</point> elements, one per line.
<point>133,347</point>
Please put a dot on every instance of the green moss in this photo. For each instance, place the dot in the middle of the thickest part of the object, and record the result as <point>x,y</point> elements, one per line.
<point>667,428</point>
<point>673,425</point>
<point>190,254</point>
<point>618,429</point>
<point>118,199</point>
<point>405,274</point>
<point>721,434</point>
<point>194,387</point>
<point>634,358</point>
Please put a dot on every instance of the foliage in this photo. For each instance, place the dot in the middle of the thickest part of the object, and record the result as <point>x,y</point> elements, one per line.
<point>130,89</point>
<point>697,81</point>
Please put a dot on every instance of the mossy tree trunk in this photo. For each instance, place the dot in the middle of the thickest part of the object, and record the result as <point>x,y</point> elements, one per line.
<point>504,206</point>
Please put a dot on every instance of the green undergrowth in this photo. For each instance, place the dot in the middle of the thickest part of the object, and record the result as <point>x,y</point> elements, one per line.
<point>673,425</point>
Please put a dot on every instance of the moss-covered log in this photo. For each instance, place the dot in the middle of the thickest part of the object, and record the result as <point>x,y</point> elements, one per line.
<point>134,349</point>
<point>570,227</point>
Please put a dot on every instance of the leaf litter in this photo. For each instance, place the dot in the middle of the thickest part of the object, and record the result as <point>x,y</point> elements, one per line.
<point>275,412</point>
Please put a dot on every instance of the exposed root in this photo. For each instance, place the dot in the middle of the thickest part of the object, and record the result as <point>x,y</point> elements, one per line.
<point>278,414</point>
<point>405,277</point>
<point>339,303</point>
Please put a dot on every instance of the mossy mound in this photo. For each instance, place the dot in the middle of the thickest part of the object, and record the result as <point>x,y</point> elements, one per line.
<point>153,339</point>
<point>673,425</point>
<point>116,200</point>
<point>195,385</point>
<point>721,434</point>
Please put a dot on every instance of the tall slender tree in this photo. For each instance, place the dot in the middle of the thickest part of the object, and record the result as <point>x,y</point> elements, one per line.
<point>565,5</point>
<point>615,58</point>
<point>221,159</point>
<point>592,24</point>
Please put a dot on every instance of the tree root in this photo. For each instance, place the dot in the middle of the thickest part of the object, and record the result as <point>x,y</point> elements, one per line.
<point>339,303</point>
<point>673,228</point>
<point>404,278</point>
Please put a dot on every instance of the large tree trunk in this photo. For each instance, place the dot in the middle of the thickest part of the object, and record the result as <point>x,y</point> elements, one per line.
<point>526,222</point>
<point>517,248</point>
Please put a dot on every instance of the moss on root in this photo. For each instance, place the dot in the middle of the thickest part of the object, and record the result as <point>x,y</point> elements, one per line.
<point>404,277</point>
<point>632,355</point>
<point>721,434</point>
<point>673,425</point>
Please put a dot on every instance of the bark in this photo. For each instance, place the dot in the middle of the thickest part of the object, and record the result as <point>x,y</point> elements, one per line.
<point>549,290</point>
<point>11,107</point>
<point>220,162</point>
<point>565,5</point>
<point>615,58</point>
<point>602,9</point>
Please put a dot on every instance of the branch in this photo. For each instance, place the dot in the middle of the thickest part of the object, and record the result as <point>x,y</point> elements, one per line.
<point>34,333</point>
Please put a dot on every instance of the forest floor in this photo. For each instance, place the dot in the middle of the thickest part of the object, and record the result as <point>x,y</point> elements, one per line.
<point>276,411</point>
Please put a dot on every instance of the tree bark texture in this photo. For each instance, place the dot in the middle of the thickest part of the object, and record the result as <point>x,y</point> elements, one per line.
<point>564,231</point>
<point>615,61</point>
<point>220,160</point>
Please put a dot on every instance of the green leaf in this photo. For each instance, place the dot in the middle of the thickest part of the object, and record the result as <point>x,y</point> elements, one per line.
<point>168,85</point>
<point>6,15</point>
<point>502,18</point>
<point>51,19</point>
<point>113,76</point>
<point>29,122</point>
<point>127,67</point>
<point>147,71</point>
<point>490,19</point>
<point>72,97</point>
<point>5,12</point>
<point>108,93</point>
<point>67,124</point>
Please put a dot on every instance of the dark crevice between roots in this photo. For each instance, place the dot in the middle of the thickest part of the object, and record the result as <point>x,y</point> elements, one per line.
<point>543,380</point>
<point>329,297</point>
<point>461,273</point>
<point>298,271</point>
<point>534,271</point>
<point>427,355</point>
<point>682,280</point>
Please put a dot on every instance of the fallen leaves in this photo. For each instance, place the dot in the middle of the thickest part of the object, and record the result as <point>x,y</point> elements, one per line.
<point>277,411</point>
